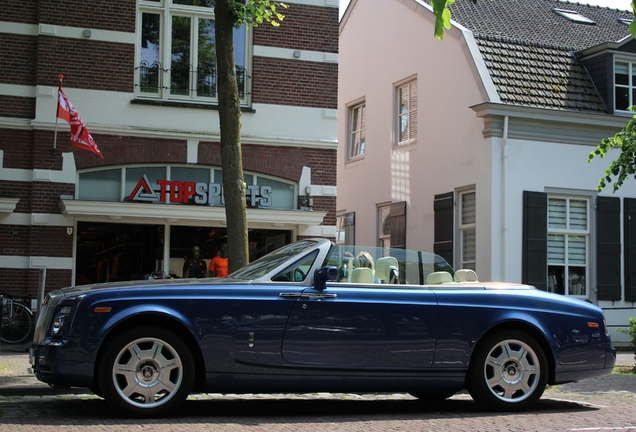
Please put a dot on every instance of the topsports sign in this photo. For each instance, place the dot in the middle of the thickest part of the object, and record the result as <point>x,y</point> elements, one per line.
<point>175,191</point>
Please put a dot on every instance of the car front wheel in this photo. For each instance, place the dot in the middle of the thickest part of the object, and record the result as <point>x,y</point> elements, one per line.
<point>146,372</point>
<point>509,371</point>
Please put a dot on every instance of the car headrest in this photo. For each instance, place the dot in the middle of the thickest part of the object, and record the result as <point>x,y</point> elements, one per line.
<point>383,268</point>
<point>439,277</point>
<point>465,275</point>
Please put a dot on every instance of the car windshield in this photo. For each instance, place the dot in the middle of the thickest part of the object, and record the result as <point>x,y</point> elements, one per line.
<point>271,261</point>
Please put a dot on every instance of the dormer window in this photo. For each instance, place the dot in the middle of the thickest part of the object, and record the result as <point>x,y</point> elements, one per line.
<point>624,85</point>
<point>574,16</point>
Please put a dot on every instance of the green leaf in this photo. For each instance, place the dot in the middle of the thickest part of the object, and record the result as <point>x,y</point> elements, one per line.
<point>442,16</point>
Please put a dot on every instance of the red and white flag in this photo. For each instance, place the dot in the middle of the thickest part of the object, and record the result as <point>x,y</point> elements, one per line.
<point>80,137</point>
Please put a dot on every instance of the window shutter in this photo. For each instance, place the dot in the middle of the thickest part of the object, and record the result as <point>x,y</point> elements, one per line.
<point>398,225</point>
<point>444,226</point>
<point>350,228</point>
<point>608,248</point>
<point>534,269</point>
<point>630,248</point>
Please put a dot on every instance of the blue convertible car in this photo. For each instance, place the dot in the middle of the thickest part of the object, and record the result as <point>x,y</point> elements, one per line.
<point>318,317</point>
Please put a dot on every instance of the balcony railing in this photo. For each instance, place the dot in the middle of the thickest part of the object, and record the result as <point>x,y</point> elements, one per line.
<point>185,80</point>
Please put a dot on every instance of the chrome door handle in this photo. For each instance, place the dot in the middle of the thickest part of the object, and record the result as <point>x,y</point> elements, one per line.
<point>307,295</point>
<point>318,296</point>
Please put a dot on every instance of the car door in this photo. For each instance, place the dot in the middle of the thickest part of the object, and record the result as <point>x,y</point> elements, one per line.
<point>368,326</point>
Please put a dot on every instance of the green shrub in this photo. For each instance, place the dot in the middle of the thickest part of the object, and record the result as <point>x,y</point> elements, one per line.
<point>631,332</point>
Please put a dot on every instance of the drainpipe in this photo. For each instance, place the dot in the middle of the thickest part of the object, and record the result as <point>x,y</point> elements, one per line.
<point>504,212</point>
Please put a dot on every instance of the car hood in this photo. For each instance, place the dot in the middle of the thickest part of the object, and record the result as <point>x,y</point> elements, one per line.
<point>153,283</point>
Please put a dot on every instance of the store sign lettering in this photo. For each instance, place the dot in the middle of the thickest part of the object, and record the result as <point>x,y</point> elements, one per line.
<point>175,191</point>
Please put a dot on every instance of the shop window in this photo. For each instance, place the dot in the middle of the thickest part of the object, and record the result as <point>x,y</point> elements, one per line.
<point>181,185</point>
<point>100,185</point>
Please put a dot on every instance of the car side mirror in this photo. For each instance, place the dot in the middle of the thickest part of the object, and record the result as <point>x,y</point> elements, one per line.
<point>324,275</point>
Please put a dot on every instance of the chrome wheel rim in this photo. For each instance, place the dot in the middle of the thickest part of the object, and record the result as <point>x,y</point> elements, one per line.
<point>147,373</point>
<point>512,371</point>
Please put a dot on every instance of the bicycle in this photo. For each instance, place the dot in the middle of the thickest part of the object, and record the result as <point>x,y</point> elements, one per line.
<point>17,320</point>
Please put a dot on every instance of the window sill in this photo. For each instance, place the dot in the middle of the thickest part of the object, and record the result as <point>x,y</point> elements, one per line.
<point>354,162</point>
<point>408,146</point>
<point>177,104</point>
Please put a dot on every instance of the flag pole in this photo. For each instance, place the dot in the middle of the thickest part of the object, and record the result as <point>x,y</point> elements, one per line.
<point>57,107</point>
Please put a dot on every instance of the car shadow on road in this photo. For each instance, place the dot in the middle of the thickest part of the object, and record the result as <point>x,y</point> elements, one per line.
<point>91,410</point>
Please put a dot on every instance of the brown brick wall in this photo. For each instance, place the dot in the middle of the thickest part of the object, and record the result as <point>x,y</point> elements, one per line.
<point>17,189</point>
<point>132,150</point>
<point>17,107</point>
<point>22,52</point>
<point>15,240</point>
<point>51,241</point>
<point>19,11</point>
<point>114,15</point>
<point>304,27</point>
<point>36,197</point>
<point>24,282</point>
<point>328,204</point>
<point>86,64</point>
<point>280,161</point>
<point>295,83</point>
<point>17,146</point>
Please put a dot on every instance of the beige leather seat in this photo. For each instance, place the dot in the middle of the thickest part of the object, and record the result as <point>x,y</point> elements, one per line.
<point>362,275</point>
<point>439,277</point>
<point>465,275</point>
<point>386,269</point>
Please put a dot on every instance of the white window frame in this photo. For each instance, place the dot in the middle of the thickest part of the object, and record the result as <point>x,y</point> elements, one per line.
<point>466,228</point>
<point>356,130</point>
<point>166,9</point>
<point>569,233</point>
<point>402,112</point>
<point>630,86</point>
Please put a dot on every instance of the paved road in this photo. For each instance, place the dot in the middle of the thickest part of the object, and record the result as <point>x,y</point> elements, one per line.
<point>606,403</point>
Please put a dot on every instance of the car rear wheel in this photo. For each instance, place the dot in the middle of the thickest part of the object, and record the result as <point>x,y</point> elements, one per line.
<point>509,371</point>
<point>146,372</point>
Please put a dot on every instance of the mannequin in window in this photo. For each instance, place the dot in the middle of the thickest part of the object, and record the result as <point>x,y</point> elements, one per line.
<point>195,267</point>
<point>218,264</point>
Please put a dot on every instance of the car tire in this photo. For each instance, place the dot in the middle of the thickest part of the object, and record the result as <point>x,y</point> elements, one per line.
<point>146,372</point>
<point>508,372</point>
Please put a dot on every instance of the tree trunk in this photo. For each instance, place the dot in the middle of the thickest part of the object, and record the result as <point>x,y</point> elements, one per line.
<point>230,123</point>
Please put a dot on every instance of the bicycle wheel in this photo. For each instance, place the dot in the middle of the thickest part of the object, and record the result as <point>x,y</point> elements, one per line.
<point>17,323</point>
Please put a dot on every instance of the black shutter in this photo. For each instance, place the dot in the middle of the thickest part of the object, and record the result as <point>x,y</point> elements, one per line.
<point>350,228</point>
<point>629,205</point>
<point>398,225</point>
<point>444,226</point>
<point>608,248</point>
<point>534,267</point>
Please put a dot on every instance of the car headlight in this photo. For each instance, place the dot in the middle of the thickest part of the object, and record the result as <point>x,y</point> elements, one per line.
<point>58,322</point>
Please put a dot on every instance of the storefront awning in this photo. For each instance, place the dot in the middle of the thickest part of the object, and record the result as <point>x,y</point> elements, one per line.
<point>179,214</point>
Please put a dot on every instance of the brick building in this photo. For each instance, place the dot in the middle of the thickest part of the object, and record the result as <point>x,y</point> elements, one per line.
<point>141,74</point>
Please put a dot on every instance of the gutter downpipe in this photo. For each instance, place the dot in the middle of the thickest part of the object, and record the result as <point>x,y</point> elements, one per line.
<point>504,212</point>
